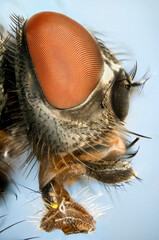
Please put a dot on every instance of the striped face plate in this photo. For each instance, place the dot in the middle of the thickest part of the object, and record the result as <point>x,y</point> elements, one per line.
<point>67,99</point>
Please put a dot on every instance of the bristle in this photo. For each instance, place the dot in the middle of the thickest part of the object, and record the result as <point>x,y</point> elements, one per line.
<point>82,149</point>
<point>1,231</point>
<point>133,72</point>
<point>91,199</point>
<point>17,20</point>
<point>138,134</point>
<point>89,203</point>
<point>78,160</point>
<point>88,144</point>
<point>85,190</point>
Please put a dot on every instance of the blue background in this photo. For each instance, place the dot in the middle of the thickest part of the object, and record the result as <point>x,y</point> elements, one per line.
<point>133,27</point>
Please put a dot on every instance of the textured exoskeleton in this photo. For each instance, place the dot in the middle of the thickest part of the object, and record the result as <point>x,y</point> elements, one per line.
<point>65,100</point>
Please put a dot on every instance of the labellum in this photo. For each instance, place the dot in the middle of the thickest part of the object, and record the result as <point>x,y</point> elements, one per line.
<point>65,99</point>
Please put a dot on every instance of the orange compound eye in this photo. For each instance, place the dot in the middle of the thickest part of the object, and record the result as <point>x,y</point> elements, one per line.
<point>66,59</point>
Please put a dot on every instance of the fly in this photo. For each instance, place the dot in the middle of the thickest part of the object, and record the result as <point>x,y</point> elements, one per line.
<point>65,99</point>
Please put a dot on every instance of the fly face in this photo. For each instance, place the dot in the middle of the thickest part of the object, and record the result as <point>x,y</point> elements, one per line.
<point>67,97</point>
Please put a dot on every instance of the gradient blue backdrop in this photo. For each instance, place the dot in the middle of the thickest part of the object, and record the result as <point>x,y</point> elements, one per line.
<point>133,27</point>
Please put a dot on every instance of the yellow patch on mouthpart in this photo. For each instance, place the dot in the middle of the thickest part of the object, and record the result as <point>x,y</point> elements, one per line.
<point>54,206</point>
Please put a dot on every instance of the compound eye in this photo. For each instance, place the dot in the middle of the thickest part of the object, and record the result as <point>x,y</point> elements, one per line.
<point>66,58</point>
